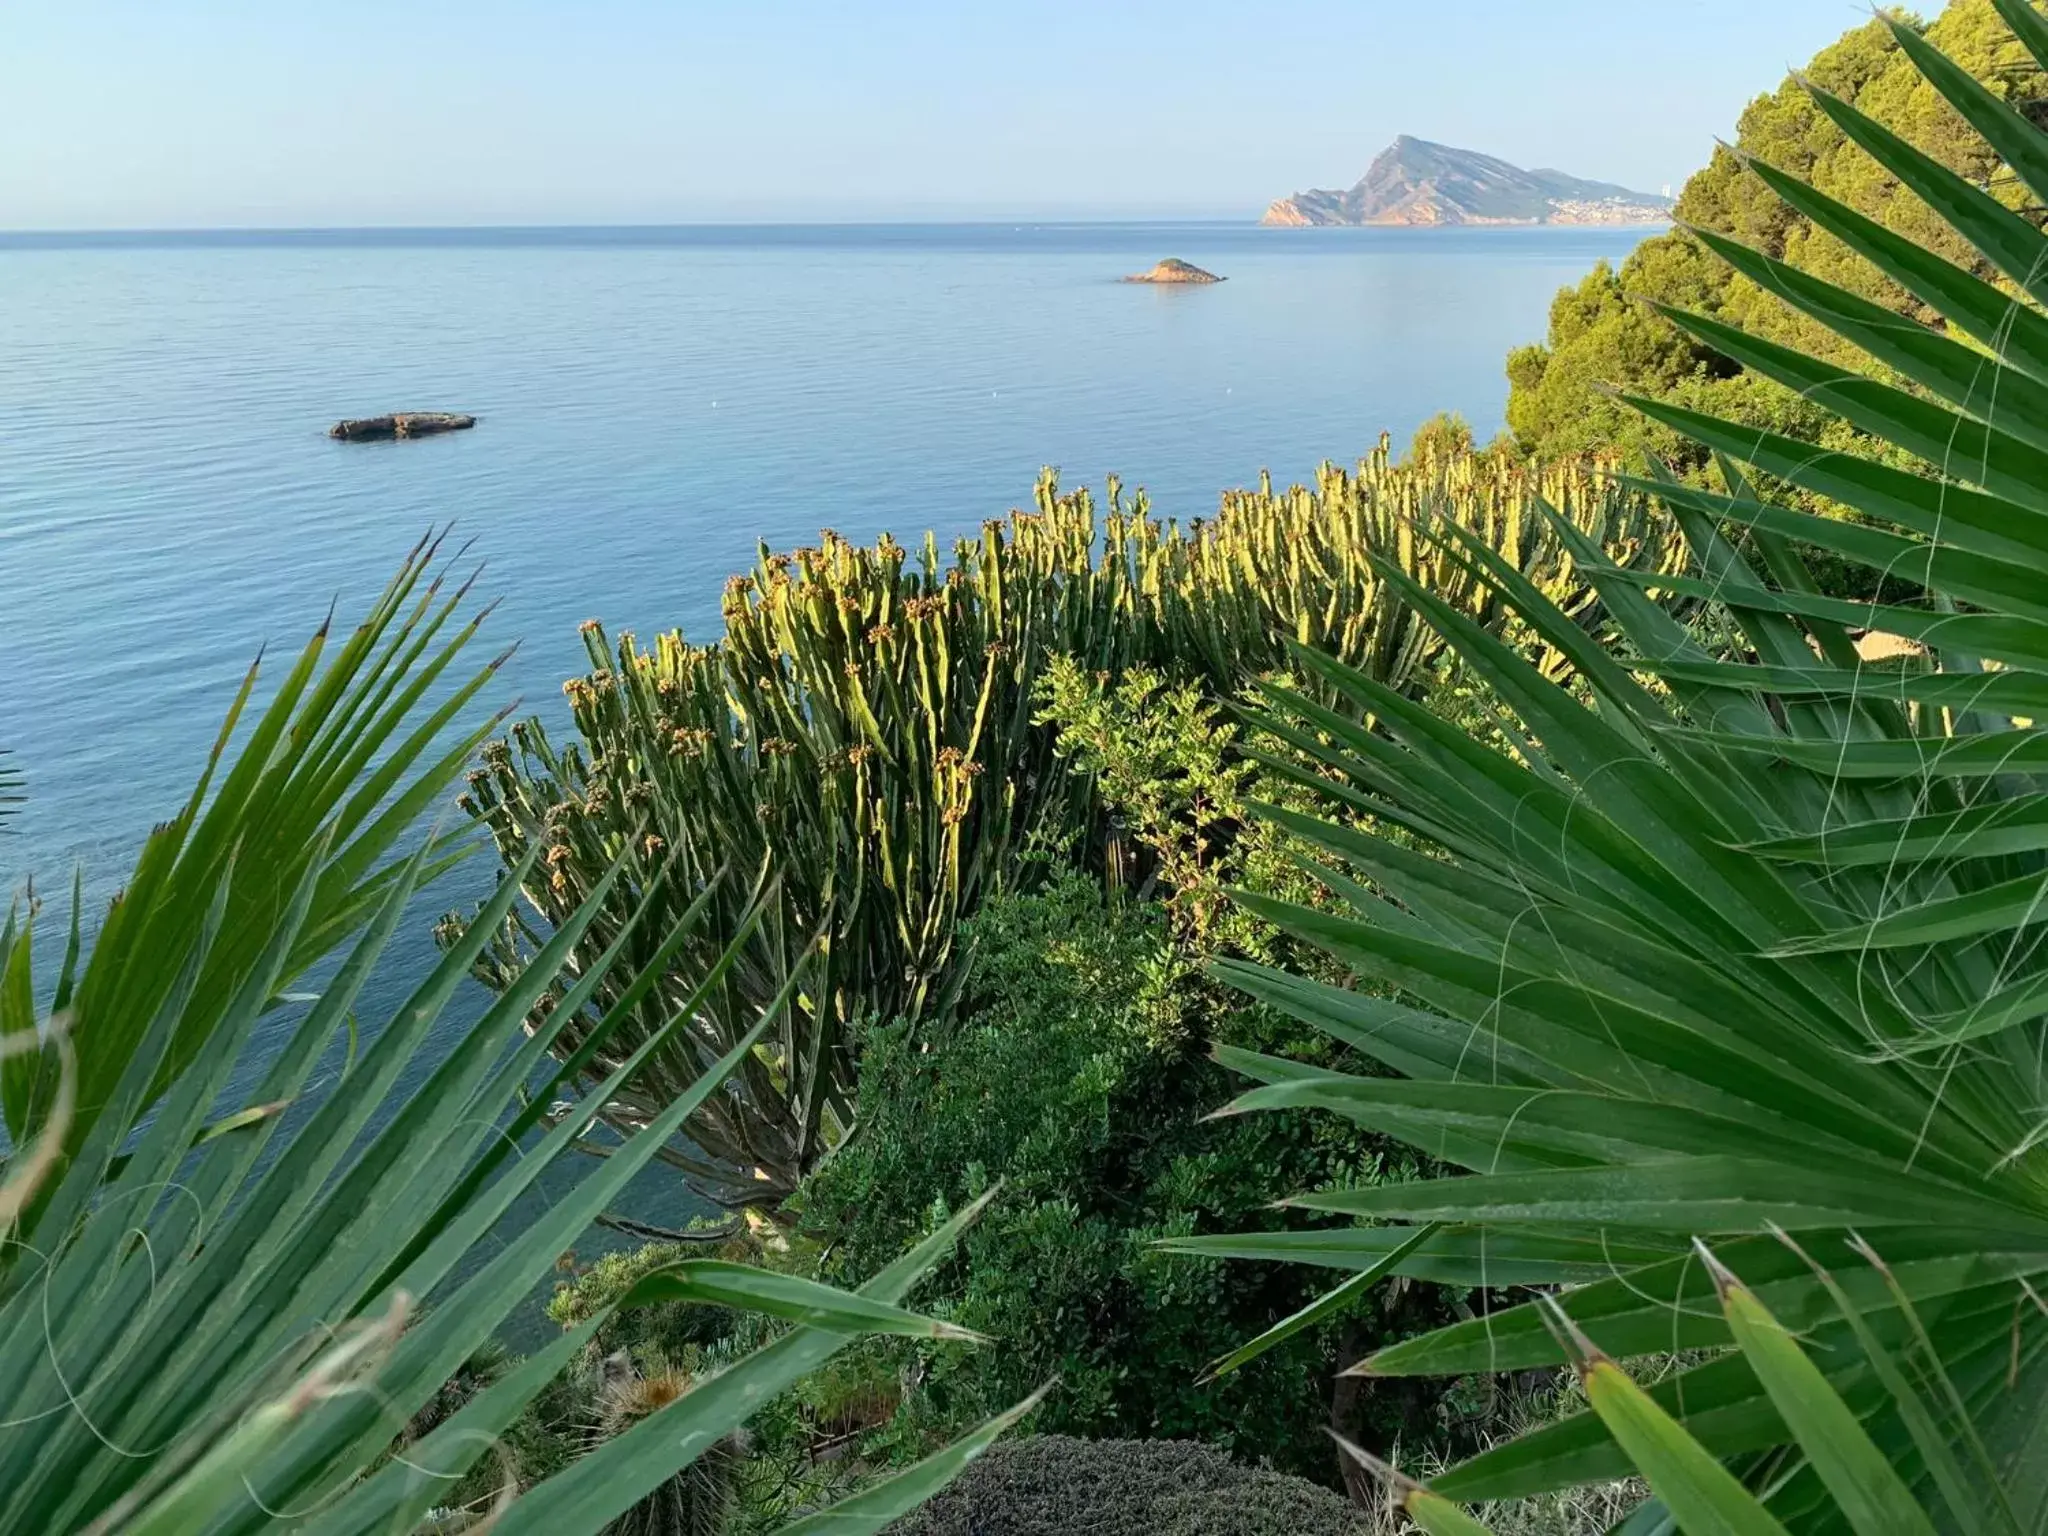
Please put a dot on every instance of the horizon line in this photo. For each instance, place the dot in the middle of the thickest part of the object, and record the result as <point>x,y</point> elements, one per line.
<point>878,221</point>
<point>188,231</point>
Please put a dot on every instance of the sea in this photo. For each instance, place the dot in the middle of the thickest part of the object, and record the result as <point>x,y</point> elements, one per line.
<point>653,404</point>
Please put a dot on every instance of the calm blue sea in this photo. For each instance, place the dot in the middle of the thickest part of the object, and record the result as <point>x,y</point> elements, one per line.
<point>653,402</point>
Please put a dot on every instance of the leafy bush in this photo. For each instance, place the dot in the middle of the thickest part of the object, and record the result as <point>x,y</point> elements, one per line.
<point>1077,1075</point>
<point>1750,957</point>
<point>1042,1484</point>
<point>864,730</point>
<point>1177,781</point>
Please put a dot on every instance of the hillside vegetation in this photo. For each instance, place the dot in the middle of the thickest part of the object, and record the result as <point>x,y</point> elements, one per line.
<point>1605,335</point>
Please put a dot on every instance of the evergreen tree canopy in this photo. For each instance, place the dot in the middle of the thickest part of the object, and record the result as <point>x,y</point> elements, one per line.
<point>1603,332</point>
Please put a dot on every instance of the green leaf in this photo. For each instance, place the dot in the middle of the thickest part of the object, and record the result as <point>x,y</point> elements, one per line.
<point>1995,909</point>
<point>1470,1257</point>
<point>1702,1495</point>
<point>1685,1194</point>
<point>1875,1500</point>
<point>1430,1511</point>
<point>1439,1516</point>
<point>1330,1304</point>
<point>1997,827</point>
<point>714,1282</point>
<point>866,1512</point>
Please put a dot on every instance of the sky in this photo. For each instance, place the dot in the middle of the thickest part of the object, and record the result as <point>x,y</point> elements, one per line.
<point>153,114</point>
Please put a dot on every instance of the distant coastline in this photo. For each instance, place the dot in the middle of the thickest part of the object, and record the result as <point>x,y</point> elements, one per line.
<point>1415,183</point>
<point>704,232</point>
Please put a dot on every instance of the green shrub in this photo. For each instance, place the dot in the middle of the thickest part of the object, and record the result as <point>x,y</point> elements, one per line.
<point>1052,1485</point>
<point>1077,1074</point>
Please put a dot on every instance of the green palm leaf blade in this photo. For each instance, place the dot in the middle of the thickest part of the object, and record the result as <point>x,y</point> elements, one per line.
<point>1409,1040</point>
<point>1873,1497</point>
<point>2019,336</point>
<point>1469,1256</point>
<point>1705,1194</point>
<point>1996,909</point>
<point>2027,25</point>
<point>1562,902</point>
<point>866,1512</point>
<point>1440,1517</point>
<point>1997,693</point>
<point>1550,1126</point>
<point>792,1298</point>
<point>1914,757</point>
<point>1702,1495</point>
<point>2006,240</point>
<point>1431,1511</point>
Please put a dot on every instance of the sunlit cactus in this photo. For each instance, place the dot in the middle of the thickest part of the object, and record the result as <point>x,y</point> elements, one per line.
<point>864,733</point>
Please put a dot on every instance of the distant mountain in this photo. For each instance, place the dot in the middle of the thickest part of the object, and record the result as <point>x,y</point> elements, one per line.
<point>1415,182</point>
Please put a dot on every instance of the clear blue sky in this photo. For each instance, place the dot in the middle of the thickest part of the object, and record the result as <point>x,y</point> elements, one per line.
<point>163,113</point>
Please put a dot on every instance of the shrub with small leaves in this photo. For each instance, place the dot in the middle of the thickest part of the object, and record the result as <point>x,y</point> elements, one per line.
<point>1048,1483</point>
<point>1079,1076</point>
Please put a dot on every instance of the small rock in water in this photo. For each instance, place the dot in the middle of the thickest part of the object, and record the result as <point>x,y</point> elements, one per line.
<point>1174,270</point>
<point>400,424</point>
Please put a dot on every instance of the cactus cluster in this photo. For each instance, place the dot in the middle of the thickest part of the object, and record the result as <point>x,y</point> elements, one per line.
<point>862,739</point>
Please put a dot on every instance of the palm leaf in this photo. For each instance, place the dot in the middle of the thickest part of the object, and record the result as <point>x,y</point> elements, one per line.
<point>211,1307</point>
<point>1753,951</point>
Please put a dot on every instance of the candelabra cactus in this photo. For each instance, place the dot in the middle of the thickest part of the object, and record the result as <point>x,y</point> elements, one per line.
<point>863,737</point>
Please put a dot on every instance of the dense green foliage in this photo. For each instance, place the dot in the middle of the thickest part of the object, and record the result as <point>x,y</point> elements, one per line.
<point>210,1312</point>
<point>1051,1483</point>
<point>1078,1074</point>
<point>1682,976</point>
<point>865,730</point>
<point>1606,334</point>
<point>1738,948</point>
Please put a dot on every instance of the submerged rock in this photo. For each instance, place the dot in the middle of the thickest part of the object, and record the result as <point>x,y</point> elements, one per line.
<point>400,424</point>
<point>1174,270</point>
